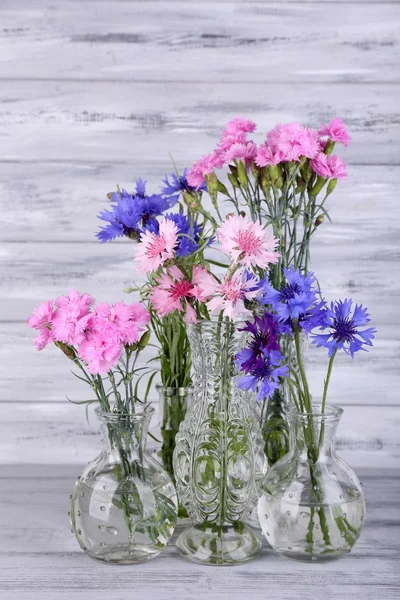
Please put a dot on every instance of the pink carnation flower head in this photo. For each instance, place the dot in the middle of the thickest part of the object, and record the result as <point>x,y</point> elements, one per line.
<point>266,156</point>
<point>238,126</point>
<point>320,166</point>
<point>247,242</point>
<point>239,151</point>
<point>227,141</point>
<point>337,167</point>
<point>294,141</point>
<point>154,250</point>
<point>336,131</point>
<point>204,166</point>
<point>42,320</point>
<point>101,350</point>
<point>72,317</point>
<point>173,292</point>
<point>230,295</point>
<point>129,321</point>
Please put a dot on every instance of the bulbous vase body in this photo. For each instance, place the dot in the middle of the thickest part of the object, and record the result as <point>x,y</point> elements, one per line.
<point>219,460</point>
<point>124,505</point>
<point>312,507</point>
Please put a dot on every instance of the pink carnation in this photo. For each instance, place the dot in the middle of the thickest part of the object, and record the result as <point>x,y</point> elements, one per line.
<point>238,151</point>
<point>72,317</point>
<point>294,141</point>
<point>247,242</point>
<point>129,321</point>
<point>101,350</point>
<point>154,249</point>
<point>173,292</point>
<point>266,156</point>
<point>204,166</point>
<point>337,167</point>
<point>230,295</point>
<point>41,320</point>
<point>227,141</point>
<point>237,126</point>
<point>336,131</point>
<point>320,165</point>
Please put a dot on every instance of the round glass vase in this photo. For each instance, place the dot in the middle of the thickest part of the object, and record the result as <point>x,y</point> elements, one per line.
<point>173,405</point>
<point>312,507</point>
<point>124,505</point>
<point>219,460</point>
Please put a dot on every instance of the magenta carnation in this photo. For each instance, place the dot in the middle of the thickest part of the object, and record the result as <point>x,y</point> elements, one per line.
<point>128,321</point>
<point>337,167</point>
<point>204,166</point>
<point>239,125</point>
<point>102,347</point>
<point>335,131</point>
<point>42,320</point>
<point>294,141</point>
<point>238,151</point>
<point>266,156</point>
<point>72,317</point>
<point>320,165</point>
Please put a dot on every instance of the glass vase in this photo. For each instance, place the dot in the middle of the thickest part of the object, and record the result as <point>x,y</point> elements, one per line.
<point>219,460</point>
<point>173,405</point>
<point>312,507</point>
<point>124,505</point>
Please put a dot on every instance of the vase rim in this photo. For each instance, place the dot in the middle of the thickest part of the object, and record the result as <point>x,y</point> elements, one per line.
<point>213,320</point>
<point>331,412</point>
<point>137,416</point>
<point>180,390</point>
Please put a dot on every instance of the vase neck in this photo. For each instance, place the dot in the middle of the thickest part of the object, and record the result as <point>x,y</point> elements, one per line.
<point>124,436</point>
<point>313,434</point>
<point>214,347</point>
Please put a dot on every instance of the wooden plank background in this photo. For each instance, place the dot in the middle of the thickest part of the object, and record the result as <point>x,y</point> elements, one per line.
<point>96,92</point>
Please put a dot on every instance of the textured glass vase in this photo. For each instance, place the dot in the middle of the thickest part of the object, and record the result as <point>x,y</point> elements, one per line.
<point>312,508</point>
<point>219,459</point>
<point>173,405</point>
<point>124,505</point>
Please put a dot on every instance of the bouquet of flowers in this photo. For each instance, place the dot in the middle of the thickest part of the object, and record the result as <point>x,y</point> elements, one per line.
<point>282,184</point>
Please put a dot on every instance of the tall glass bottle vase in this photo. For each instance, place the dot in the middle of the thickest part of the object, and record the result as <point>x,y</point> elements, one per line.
<point>124,505</point>
<point>219,460</point>
<point>312,508</point>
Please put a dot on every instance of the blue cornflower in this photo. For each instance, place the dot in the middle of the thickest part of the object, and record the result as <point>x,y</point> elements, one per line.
<point>188,236</point>
<point>296,300</point>
<point>130,213</point>
<point>178,184</point>
<point>343,323</point>
<point>263,372</point>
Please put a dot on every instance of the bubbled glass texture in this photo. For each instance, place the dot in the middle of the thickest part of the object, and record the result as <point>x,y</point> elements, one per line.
<point>124,505</point>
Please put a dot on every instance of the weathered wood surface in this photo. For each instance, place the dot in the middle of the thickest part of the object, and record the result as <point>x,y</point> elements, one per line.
<point>40,558</point>
<point>95,92</point>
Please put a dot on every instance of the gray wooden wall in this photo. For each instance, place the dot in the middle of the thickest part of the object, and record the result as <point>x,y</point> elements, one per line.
<point>95,92</point>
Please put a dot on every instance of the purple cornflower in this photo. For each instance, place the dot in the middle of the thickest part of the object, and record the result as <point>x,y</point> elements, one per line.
<point>297,300</point>
<point>130,213</point>
<point>261,360</point>
<point>263,372</point>
<point>178,184</point>
<point>342,322</point>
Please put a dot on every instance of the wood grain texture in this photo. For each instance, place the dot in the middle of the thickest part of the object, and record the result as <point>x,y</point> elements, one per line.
<point>40,558</point>
<point>95,92</point>
<point>201,41</point>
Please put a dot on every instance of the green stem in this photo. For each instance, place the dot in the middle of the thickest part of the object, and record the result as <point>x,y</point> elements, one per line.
<point>326,385</point>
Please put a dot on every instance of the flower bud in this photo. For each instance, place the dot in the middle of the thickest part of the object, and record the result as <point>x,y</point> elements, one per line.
<point>331,186</point>
<point>144,340</point>
<point>319,184</point>
<point>255,171</point>
<point>319,220</point>
<point>212,186</point>
<point>242,174</point>
<point>275,174</point>
<point>233,180</point>
<point>221,188</point>
<point>306,171</point>
<point>329,146</point>
<point>68,350</point>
